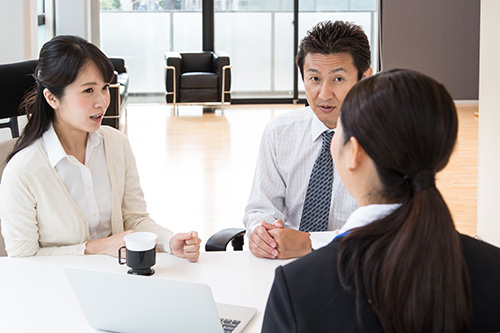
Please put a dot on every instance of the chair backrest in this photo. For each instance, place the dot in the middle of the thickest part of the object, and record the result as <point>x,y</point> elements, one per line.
<point>119,65</point>
<point>197,62</point>
<point>5,149</point>
<point>16,80</point>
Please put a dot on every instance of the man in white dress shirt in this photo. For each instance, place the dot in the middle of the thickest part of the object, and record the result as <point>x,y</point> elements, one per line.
<point>332,57</point>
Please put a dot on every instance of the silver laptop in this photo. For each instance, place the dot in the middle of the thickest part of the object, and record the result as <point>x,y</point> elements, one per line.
<point>120,302</point>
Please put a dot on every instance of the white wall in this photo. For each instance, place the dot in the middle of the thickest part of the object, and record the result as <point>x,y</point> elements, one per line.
<point>78,17</point>
<point>488,207</point>
<point>19,26</point>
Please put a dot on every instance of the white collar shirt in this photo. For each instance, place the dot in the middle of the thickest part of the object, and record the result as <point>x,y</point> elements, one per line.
<point>88,184</point>
<point>290,145</point>
<point>367,214</point>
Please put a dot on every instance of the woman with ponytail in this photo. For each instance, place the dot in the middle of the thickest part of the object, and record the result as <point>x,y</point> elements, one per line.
<point>71,187</point>
<point>399,264</point>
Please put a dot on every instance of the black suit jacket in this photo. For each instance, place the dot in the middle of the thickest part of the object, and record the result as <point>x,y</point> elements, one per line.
<point>307,295</point>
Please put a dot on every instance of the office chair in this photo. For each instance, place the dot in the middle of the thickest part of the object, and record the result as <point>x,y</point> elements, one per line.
<point>5,149</point>
<point>219,240</point>
<point>16,79</point>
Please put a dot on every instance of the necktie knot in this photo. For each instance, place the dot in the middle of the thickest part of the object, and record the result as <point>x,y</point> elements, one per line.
<point>327,140</point>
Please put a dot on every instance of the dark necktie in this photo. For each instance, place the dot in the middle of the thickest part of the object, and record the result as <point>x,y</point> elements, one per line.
<point>319,191</point>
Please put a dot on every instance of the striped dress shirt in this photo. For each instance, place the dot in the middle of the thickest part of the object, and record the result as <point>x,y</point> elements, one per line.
<point>290,145</point>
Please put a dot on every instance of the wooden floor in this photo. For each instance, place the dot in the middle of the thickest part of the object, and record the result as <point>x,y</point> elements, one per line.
<point>197,168</point>
<point>458,181</point>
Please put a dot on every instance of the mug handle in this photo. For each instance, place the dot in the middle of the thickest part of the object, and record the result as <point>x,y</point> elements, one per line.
<point>120,256</point>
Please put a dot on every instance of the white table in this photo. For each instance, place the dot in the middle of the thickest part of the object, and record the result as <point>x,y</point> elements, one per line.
<point>35,295</point>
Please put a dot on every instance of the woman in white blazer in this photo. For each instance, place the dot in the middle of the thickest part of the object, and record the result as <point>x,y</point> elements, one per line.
<point>72,186</point>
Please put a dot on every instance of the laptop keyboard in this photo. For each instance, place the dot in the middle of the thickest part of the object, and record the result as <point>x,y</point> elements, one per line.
<point>229,325</point>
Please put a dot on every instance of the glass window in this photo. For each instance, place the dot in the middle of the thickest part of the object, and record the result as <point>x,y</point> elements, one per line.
<point>257,35</point>
<point>260,44</point>
<point>260,40</point>
<point>42,27</point>
<point>142,31</point>
<point>365,19</point>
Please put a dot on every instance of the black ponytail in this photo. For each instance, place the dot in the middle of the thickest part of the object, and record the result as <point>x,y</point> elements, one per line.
<point>408,264</point>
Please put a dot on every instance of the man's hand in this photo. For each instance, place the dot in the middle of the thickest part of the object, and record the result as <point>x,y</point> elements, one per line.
<point>261,244</point>
<point>186,245</point>
<point>291,243</point>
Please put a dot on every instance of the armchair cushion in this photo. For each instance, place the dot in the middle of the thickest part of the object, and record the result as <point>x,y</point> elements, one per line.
<point>196,95</point>
<point>197,62</point>
<point>199,80</point>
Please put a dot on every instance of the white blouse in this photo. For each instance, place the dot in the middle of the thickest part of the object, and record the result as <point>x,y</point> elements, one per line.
<point>88,184</point>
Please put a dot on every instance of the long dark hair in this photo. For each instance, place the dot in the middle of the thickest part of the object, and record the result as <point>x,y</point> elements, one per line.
<point>61,60</point>
<point>409,264</point>
<point>336,37</point>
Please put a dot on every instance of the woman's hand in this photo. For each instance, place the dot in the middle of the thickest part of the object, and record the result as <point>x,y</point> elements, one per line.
<point>186,245</point>
<point>108,245</point>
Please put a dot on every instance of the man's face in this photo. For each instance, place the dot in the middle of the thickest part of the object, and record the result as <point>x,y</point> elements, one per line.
<point>327,80</point>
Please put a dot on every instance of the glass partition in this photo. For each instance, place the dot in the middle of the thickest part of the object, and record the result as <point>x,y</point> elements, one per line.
<point>142,31</point>
<point>258,36</point>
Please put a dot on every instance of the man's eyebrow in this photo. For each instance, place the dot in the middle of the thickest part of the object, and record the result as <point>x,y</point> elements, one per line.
<point>340,69</point>
<point>335,70</point>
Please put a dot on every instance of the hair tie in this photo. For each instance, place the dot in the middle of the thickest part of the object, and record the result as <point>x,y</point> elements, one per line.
<point>422,180</point>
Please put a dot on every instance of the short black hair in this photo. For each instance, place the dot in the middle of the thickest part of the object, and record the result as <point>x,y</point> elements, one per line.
<point>329,37</point>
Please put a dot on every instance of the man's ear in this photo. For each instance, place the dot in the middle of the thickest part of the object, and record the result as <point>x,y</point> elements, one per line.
<point>367,73</point>
<point>358,154</point>
<point>51,99</point>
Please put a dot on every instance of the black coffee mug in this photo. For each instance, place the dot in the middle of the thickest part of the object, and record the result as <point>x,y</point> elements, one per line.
<point>140,253</point>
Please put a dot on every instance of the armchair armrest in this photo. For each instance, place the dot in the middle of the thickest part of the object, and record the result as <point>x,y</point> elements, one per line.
<point>121,77</point>
<point>112,116</point>
<point>172,59</point>
<point>219,240</point>
<point>223,70</point>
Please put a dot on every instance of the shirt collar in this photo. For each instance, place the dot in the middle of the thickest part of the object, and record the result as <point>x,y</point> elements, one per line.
<point>317,127</point>
<point>55,150</point>
<point>94,139</point>
<point>367,214</point>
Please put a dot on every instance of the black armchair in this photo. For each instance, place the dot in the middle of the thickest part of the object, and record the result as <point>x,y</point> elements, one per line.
<point>118,91</point>
<point>219,240</point>
<point>16,79</point>
<point>122,78</point>
<point>197,78</point>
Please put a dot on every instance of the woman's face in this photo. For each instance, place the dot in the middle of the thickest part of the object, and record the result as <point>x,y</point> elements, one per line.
<point>355,168</point>
<point>342,154</point>
<point>84,102</point>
